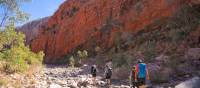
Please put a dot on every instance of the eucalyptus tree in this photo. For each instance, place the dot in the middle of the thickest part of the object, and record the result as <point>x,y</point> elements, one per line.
<point>10,10</point>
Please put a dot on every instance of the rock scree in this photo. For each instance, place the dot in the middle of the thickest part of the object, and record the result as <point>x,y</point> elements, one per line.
<point>67,77</point>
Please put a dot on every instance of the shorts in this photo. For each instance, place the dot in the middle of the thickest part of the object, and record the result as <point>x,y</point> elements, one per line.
<point>141,81</point>
<point>94,75</point>
<point>108,77</point>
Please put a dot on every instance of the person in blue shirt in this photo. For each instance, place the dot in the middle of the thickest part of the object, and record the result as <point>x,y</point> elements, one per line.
<point>141,73</point>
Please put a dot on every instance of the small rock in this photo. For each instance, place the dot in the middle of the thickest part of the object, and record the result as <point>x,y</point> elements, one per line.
<point>72,84</point>
<point>101,83</point>
<point>83,83</point>
<point>124,86</point>
<point>54,86</point>
<point>61,82</point>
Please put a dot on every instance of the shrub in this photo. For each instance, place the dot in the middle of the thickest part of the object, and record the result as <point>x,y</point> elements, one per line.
<point>20,58</point>
<point>82,55</point>
<point>120,59</point>
<point>121,63</point>
<point>73,11</point>
<point>17,57</point>
<point>148,50</point>
<point>72,61</point>
<point>100,60</point>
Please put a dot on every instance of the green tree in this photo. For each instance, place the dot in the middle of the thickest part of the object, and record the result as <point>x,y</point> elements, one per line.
<point>13,52</point>
<point>14,55</point>
<point>10,9</point>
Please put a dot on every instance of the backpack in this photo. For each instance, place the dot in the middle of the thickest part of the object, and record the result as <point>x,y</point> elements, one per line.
<point>93,70</point>
<point>142,70</point>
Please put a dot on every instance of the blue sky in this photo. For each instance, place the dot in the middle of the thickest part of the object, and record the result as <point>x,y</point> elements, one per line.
<point>41,8</point>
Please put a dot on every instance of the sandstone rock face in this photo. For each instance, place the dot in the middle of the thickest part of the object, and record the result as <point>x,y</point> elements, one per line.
<point>31,29</point>
<point>86,24</point>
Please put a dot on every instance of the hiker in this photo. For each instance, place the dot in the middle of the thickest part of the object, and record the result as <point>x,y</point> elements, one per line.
<point>133,83</point>
<point>94,72</point>
<point>141,73</point>
<point>108,74</point>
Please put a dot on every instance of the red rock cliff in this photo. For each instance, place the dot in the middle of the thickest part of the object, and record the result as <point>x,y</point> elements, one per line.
<point>78,22</point>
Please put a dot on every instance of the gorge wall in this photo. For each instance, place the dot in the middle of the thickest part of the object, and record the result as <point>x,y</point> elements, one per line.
<point>85,24</point>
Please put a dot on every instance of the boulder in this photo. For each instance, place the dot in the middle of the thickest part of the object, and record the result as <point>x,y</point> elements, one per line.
<point>101,83</point>
<point>72,84</point>
<point>158,73</point>
<point>192,83</point>
<point>84,83</point>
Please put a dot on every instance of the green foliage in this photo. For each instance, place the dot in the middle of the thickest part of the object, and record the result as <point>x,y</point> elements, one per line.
<point>168,33</point>
<point>100,60</point>
<point>14,53</point>
<point>72,12</point>
<point>10,10</point>
<point>82,54</point>
<point>119,60</point>
<point>148,50</point>
<point>72,61</point>
<point>127,38</point>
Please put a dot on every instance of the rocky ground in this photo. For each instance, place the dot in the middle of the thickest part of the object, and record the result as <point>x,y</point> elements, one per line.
<point>58,77</point>
<point>52,76</point>
<point>63,77</point>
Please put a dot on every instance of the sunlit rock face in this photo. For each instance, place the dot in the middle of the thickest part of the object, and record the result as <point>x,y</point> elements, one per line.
<point>86,24</point>
<point>31,29</point>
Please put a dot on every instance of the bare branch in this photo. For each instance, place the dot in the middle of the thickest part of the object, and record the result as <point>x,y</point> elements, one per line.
<point>5,17</point>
